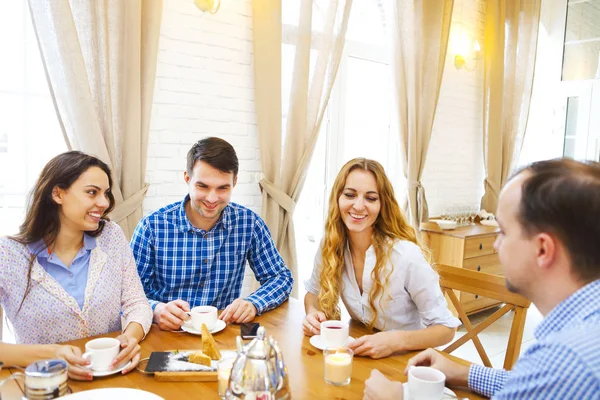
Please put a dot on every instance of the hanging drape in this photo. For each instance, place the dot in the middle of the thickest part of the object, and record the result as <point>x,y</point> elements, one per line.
<point>511,31</point>
<point>100,61</point>
<point>286,152</point>
<point>420,31</point>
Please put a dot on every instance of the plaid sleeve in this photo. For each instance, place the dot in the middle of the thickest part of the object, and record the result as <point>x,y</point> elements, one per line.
<point>271,272</point>
<point>486,381</point>
<point>550,371</point>
<point>143,253</point>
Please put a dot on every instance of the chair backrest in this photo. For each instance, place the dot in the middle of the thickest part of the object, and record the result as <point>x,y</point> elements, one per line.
<point>493,287</point>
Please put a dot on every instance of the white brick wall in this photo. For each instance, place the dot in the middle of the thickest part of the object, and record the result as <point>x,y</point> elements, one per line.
<point>204,87</point>
<point>454,169</point>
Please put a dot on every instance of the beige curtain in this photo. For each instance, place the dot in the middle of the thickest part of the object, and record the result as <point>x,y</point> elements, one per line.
<point>319,41</point>
<point>100,61</point>
<point>420,30</point>
<point>511,31</point>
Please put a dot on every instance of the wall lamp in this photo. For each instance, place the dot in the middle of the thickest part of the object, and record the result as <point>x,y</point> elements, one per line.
<point>460,62</point>
<point>212,6</point>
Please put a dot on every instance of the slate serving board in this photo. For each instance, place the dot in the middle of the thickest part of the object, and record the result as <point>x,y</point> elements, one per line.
<point>173,366</point>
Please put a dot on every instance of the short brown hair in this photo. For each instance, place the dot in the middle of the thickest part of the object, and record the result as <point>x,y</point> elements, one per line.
<point>562,197</point>
<point>216,152</point>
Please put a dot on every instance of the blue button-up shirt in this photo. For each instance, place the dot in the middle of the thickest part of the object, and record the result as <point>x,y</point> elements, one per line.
<point>73,278</point>
<point>179,261</point>
<point>564,363</point>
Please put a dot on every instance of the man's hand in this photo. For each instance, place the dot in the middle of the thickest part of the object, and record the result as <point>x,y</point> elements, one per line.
<point>239,311</point>
<point>378,345</point>
<point>131,351</point>
<point>78,366</point>
<point>456,374</point>
<point>172,315</point>
<point>312,323</point>
<point>378,387</point>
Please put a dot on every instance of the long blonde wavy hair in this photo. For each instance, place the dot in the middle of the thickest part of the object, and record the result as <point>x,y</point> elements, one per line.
<point>390,226</point>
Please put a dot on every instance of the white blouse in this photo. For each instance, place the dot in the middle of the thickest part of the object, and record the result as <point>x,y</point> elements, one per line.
<point>412,300</point>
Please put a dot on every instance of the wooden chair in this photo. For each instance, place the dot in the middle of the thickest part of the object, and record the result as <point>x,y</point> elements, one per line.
<point>491,286</point>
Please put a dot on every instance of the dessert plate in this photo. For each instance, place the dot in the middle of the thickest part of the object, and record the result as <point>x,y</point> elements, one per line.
<point>114,393</point>
<point>189,328</point>
<point>318,343</point>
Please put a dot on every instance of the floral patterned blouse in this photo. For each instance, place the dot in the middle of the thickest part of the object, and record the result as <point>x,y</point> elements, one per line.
<point>50,315</point>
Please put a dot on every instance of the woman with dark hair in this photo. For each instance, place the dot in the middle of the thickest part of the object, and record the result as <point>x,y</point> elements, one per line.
<point>371,258</point>
<point>69,273</point>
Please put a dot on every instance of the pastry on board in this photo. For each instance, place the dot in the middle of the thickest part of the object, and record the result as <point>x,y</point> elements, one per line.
<point>209,346</point>
<point>199,358</point>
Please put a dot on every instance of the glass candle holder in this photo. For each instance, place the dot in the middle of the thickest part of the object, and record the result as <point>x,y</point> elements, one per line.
<point>223,372</point>
<point>338,365</point>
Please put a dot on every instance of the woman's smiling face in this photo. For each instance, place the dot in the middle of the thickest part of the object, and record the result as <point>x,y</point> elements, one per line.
<point>359,202</point>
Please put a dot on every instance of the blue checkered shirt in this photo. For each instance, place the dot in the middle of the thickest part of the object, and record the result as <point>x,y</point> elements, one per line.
<point>564,363</point>
<point>176,260</point>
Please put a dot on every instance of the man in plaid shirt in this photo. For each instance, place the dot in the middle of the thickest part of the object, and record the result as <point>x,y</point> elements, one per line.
<point>194,252</point>
<point>549,216</point>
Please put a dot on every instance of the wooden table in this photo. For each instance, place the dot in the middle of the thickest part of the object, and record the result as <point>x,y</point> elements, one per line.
<point>10,390</point>
<point>304,362</point>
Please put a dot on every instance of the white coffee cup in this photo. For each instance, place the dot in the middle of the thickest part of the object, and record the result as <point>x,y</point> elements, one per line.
<point>425,383</point>
<point>101,352</point>
<point>334,333</point>
<point>206,315</point>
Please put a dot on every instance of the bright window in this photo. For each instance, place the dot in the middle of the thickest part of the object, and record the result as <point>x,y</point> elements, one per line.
<point>29,130</point>
<point>356,123</point>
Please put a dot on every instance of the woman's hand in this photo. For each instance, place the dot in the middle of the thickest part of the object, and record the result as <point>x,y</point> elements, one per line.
<point>378,345</point>
<point>130,351</point>
<point>312,323</point>
<point>78,369</point>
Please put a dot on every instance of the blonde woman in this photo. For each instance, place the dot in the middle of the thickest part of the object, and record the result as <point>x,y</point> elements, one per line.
<point>371,258</point>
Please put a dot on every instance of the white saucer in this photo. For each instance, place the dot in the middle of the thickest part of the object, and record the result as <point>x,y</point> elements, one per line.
<point>112,371</point>
<point>316,341</point>
<point>448,394</point>
<point>189,328</point>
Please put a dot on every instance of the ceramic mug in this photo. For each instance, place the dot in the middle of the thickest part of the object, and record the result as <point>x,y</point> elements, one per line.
<point>425,383</point>
<point>334,333</point>
<point>206,315</point>
<point>101,352</point>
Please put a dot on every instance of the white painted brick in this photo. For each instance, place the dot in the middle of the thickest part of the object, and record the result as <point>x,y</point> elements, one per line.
<point>454,169</point>
<point>204,87</point>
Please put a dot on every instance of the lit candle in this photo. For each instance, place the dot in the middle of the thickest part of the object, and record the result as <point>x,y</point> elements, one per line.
<point>223,373</point>
<point>338,366</point>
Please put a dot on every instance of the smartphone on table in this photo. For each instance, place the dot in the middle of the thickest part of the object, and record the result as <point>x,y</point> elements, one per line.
<point>249,330</point>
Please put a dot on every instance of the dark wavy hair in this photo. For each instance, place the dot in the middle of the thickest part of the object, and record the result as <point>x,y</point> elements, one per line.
<point>42,219</point>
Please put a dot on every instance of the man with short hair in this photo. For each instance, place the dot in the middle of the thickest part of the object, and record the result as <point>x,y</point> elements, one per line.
<point>549,216</point>
<point>194,252</point>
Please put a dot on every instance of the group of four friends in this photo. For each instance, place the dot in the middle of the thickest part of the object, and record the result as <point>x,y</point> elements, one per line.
<point>70,273</point>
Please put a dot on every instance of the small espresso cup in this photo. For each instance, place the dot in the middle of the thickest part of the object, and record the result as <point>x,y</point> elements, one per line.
<point>206,315</point>
<point>425,383</point>
<point>334,333</point>
<point>101,352</point>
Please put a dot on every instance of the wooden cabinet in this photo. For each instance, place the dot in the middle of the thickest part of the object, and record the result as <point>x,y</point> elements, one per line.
<point>470,247</point>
